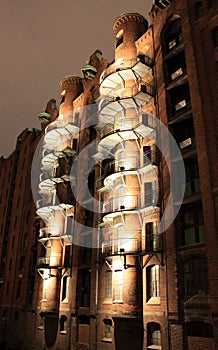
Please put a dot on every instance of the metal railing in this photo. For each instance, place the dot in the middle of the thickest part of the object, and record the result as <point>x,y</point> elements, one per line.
<point>126,202</point>
<point>46,232</point>
<point>125,124</point>
<point>130,162</point>
<point>42,262</point>
<point>126,63</point>
<point>121,246</point>
<point>115,94</point>
<point>63,122</point>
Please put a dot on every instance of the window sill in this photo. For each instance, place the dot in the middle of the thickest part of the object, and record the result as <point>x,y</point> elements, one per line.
<point>65,301</point>
<point>117,301</point>
<point>155,347</point>
<point>107,340</point>
<point>40,328</point>
<point>153,301</point>
<point>43,300</point>
<point>63,332</point>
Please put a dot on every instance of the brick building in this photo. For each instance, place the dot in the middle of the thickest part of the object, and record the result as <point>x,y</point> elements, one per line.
<point>110,274</point>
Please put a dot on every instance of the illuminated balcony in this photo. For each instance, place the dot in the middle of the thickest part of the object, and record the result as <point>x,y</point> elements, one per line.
<point>42,262</point>
<point>121,246</point>
<point>67,121</point>
<point>122,203</point>
<point>64,127</point>
<point>144,126</point>
<point>48,263</point>
<point>52,232</point>
<point>124,70</point>
<point>63,147</point>
<point>47,205</point>
<point>142,92</point>
<point>48,232</point>
<point>128,166</point>
<point>140,66</point>
<point>131,246</point>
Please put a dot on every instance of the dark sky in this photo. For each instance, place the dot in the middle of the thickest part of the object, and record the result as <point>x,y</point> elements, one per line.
<point>41,41</point>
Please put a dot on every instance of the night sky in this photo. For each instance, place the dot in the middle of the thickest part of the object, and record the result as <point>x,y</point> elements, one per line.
<point>41,42</point>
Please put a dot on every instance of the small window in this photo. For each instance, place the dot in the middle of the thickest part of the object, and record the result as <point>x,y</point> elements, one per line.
<point>85,284</point>
<point>63,95</point>
<point>153,335</point>
<point>75,144</point>
<point>173,35</point>
<point>107,330</point>
<point>198,9</point>
<point>119,38</point>
<point>214,35</point>
<point>192,224</point>
<point>63,324</point>
<point>118,287</point>
<point>41,321</point>
<point>64,289</point>
<point>45,289</point>
<point>108,287</point>
<point>76,118</point>
<point>153,282</point>
<point>67,256</point>
<point>152,242</point>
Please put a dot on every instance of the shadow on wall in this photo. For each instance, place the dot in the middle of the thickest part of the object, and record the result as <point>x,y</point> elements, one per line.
<point>128,333</point>
<point>51,330</point>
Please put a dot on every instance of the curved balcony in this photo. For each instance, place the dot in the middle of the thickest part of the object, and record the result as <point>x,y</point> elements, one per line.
<point>121,246</point>
<point>61,147</point>
<point>48,263</point>
<point>142,92</point>
<point>64,121</point>
<point>57,174</point>
<point>139,67</point>
<point>64,126</point>
<point>122,203</point>
<point>48,204</point>
<point>52,232</point>
<point>131,203</point>
<point>143,124</point>
<point>113,137</point>
<point>47,232</point>
<point>129,165</point>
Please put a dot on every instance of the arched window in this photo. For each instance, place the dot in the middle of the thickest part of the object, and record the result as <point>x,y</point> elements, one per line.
<point>107,330</point>
<point>63,323</point>
<point>153,335</point>
<point>173,35</point>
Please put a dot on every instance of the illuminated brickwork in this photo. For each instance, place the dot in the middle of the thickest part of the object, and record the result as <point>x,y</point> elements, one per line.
<point>114,281</point>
